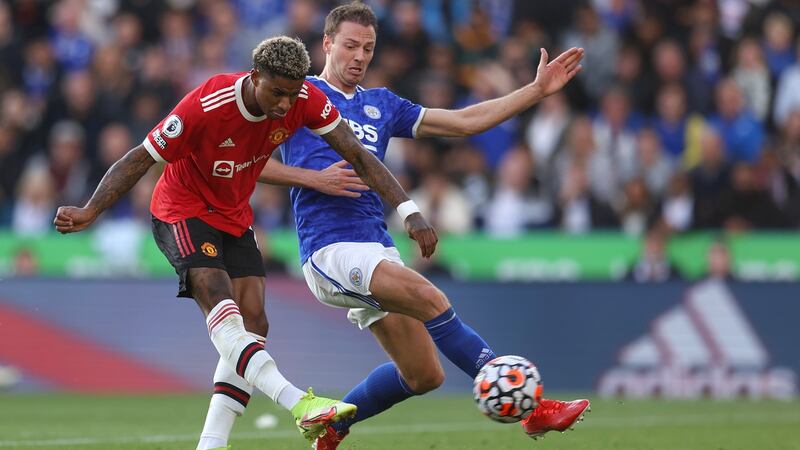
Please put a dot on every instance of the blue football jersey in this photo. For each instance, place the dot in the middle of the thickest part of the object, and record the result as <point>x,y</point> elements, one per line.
<point>375,116</point>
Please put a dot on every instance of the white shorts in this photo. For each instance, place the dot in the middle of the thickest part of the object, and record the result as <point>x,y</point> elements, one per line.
<point>339,275</point>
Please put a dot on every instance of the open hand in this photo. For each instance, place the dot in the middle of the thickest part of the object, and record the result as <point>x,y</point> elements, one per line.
<point>70,219</point>
<point>340,181</point>
<point>421,231</point>
<point>552,76</point>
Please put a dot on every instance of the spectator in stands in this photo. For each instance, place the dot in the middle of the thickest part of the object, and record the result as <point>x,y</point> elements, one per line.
<point>709,180</point>
<point>66,161</point>
<point>72,47</point>
<point>12,161</point>
<point>10,50</point>
<point>547,128</point>
<point>100,62</point>
<point>26,264</point>
<point>778,31</point>
<point>629,71</point>
<point>475,37</point>
<point>36,200</point>
<point>637,210</point>
<point>580,149</point>
<point>782,185</point>
<point>677,211</point>
<point>443,203</point>
<point>475,182</point>
<point>705,69</point>
<point>747,205</point>
<point>601,43</point>
<point>741,131</point>
<point>718,260</point>
<point>126,36</point>
<point>78,103</point>
<point>752,76</point>
<point>615,138</point>
<point>678,129</point>
<point>40,71</point>
<point>269,207</point>
<point>581,211</point>
<point>113,83</point>
<point>787,96</point>
<point>653,265</point>
<point>520,202</point>
<point>652,165</point>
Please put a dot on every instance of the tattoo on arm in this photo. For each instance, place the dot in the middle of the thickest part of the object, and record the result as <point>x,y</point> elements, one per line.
<point>366,165</point>
<point>120,178</point>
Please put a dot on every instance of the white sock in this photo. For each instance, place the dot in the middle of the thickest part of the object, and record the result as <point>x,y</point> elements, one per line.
<point>242,352</point>
<point>289,396</point>
<point>229,400</point>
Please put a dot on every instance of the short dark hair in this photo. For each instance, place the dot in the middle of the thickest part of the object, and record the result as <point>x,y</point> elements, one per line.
<point>355,11</point>
<point>282,56</point>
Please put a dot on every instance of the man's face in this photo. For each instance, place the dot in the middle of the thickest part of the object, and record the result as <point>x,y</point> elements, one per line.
<point>349,52</point>
<point>275,95</point>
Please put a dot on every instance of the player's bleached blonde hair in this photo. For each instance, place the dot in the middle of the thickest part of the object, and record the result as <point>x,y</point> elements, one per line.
<point>282,56</point>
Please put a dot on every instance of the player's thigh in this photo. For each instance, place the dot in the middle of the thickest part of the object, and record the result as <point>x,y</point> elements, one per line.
<point>401,289</point>
<point>191,244</point>
<point>407,342</point>
<point>245,267</point>
<point>339,274</point>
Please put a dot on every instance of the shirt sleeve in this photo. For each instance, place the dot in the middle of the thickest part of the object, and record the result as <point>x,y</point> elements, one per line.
<point>321,116</point>
<point>169,140</point>
<point>407,116</point>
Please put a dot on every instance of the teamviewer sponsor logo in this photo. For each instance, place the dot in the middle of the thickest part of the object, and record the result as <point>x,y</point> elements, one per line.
<point>703,347</point>
<point>223,169</point>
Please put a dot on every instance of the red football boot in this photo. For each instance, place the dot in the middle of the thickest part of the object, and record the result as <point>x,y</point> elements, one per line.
<point>554,415</point>
<point>330,440</point>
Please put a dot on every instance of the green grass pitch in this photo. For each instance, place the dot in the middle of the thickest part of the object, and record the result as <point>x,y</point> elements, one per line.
<point>430,423</point>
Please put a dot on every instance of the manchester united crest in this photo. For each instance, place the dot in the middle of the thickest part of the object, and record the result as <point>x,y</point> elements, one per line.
<point>209,249</point>
<point>278,135</point>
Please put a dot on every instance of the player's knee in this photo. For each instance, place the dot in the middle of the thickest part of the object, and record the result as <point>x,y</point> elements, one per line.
<point>426,381</point>
<point>256,322</point>
<point>434,299</point>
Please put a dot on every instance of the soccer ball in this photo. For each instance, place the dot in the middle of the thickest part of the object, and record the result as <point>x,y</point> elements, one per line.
<point>508,388</point>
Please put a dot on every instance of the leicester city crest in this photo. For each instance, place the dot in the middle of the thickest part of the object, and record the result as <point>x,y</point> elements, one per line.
<point>356,278</point>
<point>372,112</point>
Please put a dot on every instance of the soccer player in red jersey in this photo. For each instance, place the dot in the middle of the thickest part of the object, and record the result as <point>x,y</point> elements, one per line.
<point>215,143</point>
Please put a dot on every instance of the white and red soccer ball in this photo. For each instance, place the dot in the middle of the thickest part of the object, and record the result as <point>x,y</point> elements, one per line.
<point>508,388</point>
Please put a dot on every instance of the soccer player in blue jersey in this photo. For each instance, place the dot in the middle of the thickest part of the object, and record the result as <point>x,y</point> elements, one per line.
<point>349,259</point>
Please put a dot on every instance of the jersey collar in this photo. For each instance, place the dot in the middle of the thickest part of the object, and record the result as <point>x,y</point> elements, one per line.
<point>345,94</point>
<point>240,102</point>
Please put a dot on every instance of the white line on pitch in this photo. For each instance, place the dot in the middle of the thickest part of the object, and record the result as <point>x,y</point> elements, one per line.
<point>592,422</point>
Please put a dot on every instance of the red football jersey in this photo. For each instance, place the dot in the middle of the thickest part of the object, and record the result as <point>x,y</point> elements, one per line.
<point>215,150</point>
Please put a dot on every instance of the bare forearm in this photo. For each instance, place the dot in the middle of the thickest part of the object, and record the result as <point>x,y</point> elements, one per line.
<point>120,178</point>
<point>366,165</point>
<point>480,117</point>
<point>275,172</point>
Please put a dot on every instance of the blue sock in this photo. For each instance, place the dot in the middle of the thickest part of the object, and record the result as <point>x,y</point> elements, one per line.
<point>459,343</point>
<point>382,388</point>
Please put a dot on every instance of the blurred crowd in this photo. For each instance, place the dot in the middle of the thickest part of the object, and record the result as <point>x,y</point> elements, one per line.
<point>686,114</point>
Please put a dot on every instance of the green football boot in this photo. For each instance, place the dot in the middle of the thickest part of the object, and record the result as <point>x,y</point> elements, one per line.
<point>313,414</point>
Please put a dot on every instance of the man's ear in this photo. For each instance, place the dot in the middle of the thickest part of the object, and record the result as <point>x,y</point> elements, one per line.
<point>327,42</point>
<point>255,77</point>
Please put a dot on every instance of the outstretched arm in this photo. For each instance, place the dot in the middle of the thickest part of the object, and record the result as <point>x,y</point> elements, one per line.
<point>336,179</point>
<point>550,78</point>
<point>379,179</point>
<point>118,180</point>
